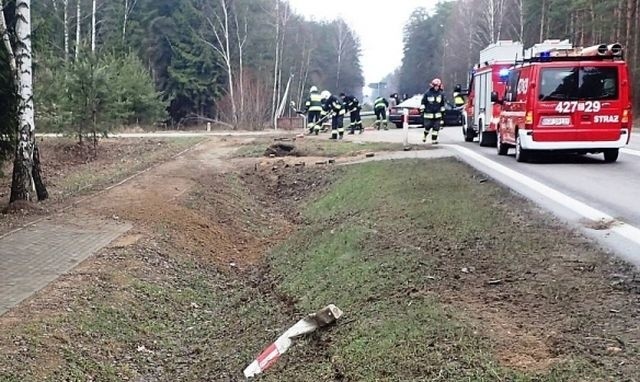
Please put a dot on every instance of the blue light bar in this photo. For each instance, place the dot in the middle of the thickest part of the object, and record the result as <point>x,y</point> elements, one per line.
<point>545,54</point>
<point>504,72</point>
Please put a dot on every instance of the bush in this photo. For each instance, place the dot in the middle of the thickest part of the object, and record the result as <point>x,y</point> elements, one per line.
<point>94,94</point>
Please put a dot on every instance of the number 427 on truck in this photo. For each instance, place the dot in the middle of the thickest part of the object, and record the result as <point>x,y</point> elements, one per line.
<point>571,100</point>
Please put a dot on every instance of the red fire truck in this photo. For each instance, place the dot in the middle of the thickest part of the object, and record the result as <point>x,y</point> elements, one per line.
<point>482,116</point>
<point>575,100</point>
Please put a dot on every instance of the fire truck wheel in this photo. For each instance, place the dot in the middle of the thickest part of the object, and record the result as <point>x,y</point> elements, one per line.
<point>468,133</point>
<point>522,155</point>
<point>611,155</point>
<point>502,148</point>
<point>486,139</point>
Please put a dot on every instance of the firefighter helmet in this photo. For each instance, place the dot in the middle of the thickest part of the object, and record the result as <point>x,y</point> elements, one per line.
<point>313,89</point>
<point>458,88</point>
<point>325,94</point>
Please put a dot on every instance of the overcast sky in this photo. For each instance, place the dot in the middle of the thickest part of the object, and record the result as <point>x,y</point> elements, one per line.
<point>378,23</point>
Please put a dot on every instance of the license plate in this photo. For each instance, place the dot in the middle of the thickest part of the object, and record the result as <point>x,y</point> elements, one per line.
<point>555,121</point>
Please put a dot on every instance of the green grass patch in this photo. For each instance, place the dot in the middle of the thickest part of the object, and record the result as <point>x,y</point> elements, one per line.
<point>375,237</point>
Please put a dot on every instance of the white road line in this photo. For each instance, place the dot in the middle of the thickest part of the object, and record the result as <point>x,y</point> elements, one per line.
<point>630,152</point>
<point>625,230</point>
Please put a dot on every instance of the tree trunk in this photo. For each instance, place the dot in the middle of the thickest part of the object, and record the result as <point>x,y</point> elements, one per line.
<point>542,20</point>
<point>41,189</point>
<point>241,41</point>
<point>23,186</point>
<point>78,15</point>
<point>124,20</point>
<point>93,26</point>
<point>65,21</point>
<point>521,16</point>
<point>628,23</point>
<point>7,44</point>
<point>276,65</point>
<point>592,12</point>
<point>227,48</point>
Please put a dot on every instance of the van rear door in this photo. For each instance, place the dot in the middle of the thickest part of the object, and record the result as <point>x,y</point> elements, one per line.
<point>556,114</point>
<point>599,102</point>
<point>578,102</point>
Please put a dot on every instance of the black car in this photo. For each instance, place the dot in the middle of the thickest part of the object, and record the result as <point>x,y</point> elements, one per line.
<point>452,116</point>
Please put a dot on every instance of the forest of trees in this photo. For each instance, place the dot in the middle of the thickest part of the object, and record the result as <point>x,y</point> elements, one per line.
<point>446,42</point>
<point>226,60</point>
<point>83,67</point>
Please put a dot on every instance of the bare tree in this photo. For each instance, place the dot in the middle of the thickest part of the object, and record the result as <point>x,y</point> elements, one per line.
<point>241,40</point>
<point>491,20</point>
<point>93,26</point>
<point>281,20</point>
<point>27,183</point>
<point>222,46</point>
<point>129,6</point>
<point>65,22</point>
<point>342,35</point>
<point>78,20</point>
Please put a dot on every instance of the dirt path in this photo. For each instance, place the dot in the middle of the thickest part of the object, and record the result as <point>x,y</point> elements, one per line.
<point>58,243</point>
<point>161,186</point>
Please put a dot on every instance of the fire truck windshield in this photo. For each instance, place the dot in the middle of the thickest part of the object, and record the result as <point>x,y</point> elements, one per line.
<point>579,83</point>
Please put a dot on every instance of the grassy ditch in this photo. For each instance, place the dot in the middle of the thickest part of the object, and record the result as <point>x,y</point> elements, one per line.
<point>446,277</point>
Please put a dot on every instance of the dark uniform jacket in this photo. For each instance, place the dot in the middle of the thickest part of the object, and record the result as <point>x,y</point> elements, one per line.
<point>351,103</point>
<point>334,104</point>
<point>433,104</point>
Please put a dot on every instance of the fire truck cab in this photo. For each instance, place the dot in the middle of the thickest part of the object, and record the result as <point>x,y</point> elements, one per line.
<point>575,100</point>
<point>482,116</point>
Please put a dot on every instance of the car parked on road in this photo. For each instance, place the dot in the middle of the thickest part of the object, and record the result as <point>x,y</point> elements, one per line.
<point>452,115</point>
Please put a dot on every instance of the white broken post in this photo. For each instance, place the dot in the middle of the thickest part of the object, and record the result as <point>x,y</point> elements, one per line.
<point>309,324</point>
<point>208,127</point>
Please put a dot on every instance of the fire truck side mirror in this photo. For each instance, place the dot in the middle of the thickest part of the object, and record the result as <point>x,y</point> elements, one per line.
<point>495,98</point>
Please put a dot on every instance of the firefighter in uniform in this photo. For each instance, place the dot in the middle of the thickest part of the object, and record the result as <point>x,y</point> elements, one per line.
<point>334,105</point>
<point>380,108</point>
<point>432,106</point>
<point>313,109</point>
<point>458,98</point>
<point>352,106</point>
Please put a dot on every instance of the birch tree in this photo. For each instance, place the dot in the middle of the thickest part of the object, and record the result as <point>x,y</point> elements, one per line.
<point>129,6</point>
<point>93,26</point>
<point>281,20</point>
<point>78,23</point>
<point>27,184</point>
<point>65,27</point>
<point>342,34</point>
<point>222,46</point>
<point>241,39</point>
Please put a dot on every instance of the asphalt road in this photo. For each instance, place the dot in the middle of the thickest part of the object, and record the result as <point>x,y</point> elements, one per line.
<point>601,199</point>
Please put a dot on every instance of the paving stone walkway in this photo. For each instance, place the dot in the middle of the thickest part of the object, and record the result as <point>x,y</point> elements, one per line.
<point>34,256</point>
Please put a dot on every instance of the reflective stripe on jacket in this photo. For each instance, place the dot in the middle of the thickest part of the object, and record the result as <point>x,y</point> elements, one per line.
<point>432,104</point>
<point>380,103</point>
<point>314,102</point>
